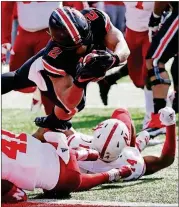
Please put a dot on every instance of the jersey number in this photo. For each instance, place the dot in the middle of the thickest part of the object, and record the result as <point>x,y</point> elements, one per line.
<point>139,5</point>
<point>91,16</point>
<point>10,148</point>
<point>132,162</point>
<point>54,52</point>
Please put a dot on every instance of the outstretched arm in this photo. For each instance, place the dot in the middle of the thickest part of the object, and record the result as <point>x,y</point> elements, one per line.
<point>115,41</point>
<point>153,163</point>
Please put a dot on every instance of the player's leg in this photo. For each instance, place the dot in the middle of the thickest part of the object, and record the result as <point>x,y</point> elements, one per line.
<point>11,194</point>
<point>89,181</point>
<point>109,80</point>
<point>135,60</point>
<point>147,88</point>
<point>124,116</point>
<point>163,47</point>
<point>23,51</point>
<point>174,72</point>
<point>40,41</point>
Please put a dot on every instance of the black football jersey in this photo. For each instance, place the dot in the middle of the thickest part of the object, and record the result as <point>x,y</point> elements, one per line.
<point>62,61</point>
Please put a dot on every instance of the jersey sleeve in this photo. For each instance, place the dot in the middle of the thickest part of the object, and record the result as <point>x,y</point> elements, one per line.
<point>99,20</point>
<point>52,60</point>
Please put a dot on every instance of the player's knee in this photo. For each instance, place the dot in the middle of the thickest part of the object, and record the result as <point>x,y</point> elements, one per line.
<point>158,76</point>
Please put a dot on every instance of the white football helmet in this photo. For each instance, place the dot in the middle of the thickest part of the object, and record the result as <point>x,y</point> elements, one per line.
<point>110,137</point>
<point>79,140</point>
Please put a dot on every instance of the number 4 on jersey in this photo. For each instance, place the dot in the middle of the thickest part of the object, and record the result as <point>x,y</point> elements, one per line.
<point>132,163</point>
<point>11,147</point>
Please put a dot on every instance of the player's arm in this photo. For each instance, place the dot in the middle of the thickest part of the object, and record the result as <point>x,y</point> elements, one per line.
<point>159,7</point>
<point>153,163</point>
<point>155,18</point>
<point>114,40</point>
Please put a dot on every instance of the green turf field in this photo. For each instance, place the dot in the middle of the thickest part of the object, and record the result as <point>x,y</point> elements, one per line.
<point>161,187</point>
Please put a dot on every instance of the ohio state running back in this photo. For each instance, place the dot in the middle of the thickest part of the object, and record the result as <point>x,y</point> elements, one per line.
<point>75,56</point>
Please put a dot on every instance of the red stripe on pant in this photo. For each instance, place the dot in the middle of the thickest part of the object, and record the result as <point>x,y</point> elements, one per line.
<point>166,37</point>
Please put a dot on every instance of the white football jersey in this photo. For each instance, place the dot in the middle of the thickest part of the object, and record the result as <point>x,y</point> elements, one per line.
<point>138,14</point>
<point>129,156</point>
<point>28,163</point>
<point>34,15</point>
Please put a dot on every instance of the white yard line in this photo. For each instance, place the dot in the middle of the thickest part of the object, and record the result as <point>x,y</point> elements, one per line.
<point>99,203</point>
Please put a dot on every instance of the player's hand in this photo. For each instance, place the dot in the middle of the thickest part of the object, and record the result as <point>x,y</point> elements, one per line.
<point>53,123</point>
<point>125,171</point>
<point>5,48</point>
<point>154,23</point>
<point>167,116</point>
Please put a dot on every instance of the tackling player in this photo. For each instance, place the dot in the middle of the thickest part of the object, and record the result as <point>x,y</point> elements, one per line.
<point>110,142</point>
<point>75,55</point>
<point>28,163</point>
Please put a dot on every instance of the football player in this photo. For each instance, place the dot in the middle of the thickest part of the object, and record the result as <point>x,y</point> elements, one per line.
<point>28,163</point>
<point>112,142</point>
<point>75,55</point>
<point>163,47</point>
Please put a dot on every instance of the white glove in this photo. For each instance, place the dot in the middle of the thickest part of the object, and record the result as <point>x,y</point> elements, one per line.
<point>5,48</point>
<point>167,116</point>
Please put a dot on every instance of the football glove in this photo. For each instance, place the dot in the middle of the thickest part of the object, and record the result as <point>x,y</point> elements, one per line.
<point>154,23</point>
<point>93,67</point>
<point>5,48</point>
<point>53,123</point>
<point>167,116</point>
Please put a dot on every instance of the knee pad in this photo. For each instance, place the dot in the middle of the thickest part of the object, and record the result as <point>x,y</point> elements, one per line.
<point>155,71</point>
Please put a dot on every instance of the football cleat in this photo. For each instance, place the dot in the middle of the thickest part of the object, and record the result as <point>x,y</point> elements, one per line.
<point>154,126</point>
<point>154,132</point>
<point>14,195</point>
<point>104,88</point>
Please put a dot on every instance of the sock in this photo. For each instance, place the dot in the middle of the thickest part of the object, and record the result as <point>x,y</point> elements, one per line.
<point>169,147</point>
<point>149,105</point>
<point>159,103</point>
<point>89,181</point>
